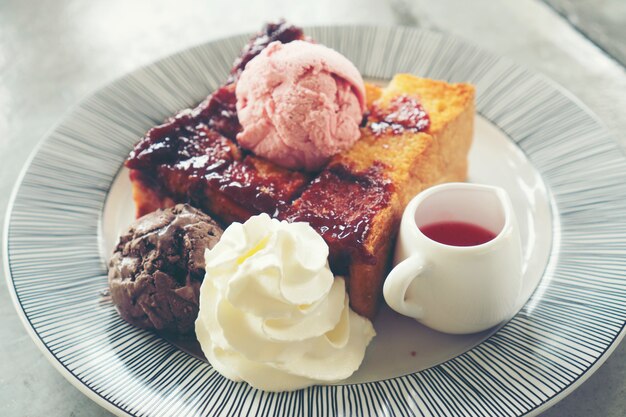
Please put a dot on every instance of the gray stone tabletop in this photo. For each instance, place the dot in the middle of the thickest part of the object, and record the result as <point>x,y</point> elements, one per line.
<point>53,53</point>
<point>604,22</point>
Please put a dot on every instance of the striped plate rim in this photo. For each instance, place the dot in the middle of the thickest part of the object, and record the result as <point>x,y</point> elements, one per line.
<point>569,326</point>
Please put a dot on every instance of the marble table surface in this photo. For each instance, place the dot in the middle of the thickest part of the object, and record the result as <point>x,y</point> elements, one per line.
<point>53,53</point>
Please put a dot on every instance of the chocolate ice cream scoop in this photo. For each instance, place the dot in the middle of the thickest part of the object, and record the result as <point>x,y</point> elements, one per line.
<point>158,265</point>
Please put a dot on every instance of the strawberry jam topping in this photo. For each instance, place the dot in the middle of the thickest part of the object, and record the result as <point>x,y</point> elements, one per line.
<point>404,114</point>
<point>260,190</point>
<point>280,31</point>
<point>195,150</point>
<point>219,112</point>
<point>191,133</point>
<point>340,205</point>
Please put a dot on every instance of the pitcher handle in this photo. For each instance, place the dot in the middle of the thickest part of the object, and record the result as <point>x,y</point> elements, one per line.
<point>398,282</point>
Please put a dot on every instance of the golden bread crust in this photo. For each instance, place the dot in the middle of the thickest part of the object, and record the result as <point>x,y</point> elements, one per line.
<point>414,162</point>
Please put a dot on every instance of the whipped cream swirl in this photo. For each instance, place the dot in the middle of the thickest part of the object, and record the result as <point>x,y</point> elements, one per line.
<point>272,313</point>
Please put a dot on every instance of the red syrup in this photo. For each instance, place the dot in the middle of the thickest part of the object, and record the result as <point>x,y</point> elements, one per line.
<point>457,233</point>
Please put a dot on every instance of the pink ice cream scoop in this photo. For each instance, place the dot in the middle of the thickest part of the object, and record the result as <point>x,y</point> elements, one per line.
<point>299,103</point>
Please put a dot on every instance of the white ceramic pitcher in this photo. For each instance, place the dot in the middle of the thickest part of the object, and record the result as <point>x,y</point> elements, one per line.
<point>457,289</point>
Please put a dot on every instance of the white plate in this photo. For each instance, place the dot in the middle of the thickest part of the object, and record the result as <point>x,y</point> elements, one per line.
<point>565,175</point>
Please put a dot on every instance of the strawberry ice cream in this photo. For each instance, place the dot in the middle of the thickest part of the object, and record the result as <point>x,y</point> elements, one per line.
<point>299,103</point>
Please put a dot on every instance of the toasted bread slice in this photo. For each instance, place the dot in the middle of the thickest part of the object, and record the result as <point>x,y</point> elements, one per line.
<point>414,161</point>
<point>355,203</point>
